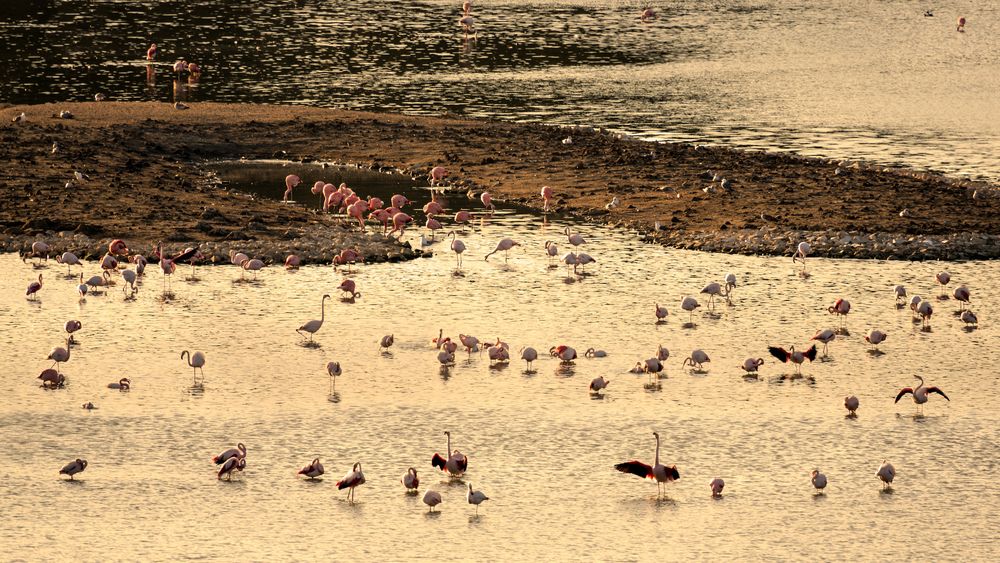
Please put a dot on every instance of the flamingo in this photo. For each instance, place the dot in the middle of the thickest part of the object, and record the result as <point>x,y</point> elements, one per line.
<point>841,308</point>
<point>504,245</point>
<point>463,218</point>
<point>571,259</point>
<point>237,258</point>
<point>925,310</point>
<point>900,292</point>
<point>696,359</point>
<point>292,262</point>
<point>487,200</point>
<point>959,28</point>
<point>648,14</point>
<point>455,465</point>
<point>232,464</point>
<point>33,288</point>
<point>433,225</point>
<point>255,265</point>
<point>529,355</point>
<point>348,287</point>
<point>750,365</point>
<point>818,480</point>
<point>51,378</point>
<point>546,198</point>
<point>333,368</point>
<point>386,342</point>
<point>140,264</point>
<point>458,247</point>
<point>399,222</point>
<point>961,294</point>
<point>313,470</point>
<point>168,265</point>
<point>801,252</point>
<point>592,353</point>
<point>433,207</point>
<point>875,337</point>
<point>851,403</point>
<point>920,393</point>
<point>317,188</point>
<point>437,175</point>
<point>239,452</point>
<point>151,52</point>
<point>410,480</point>
<point>714,289</point>
<point>467,21</point>
<point>886,472</point>
<point>123,384</point>
<point>582,259</point>
<point>717,485</point>
<point>565,353</point>
<point>432,499</point>
<point>347,256</point>
<point>689,304</point>
<point>598,383</point>
<point>71,327</point>
<point>476,497</point>
<point>470,342</point>
<point>659,472</point>
<point>69,259</point>
<point>60,355</point>
<point>662,353</point>
<point>969,318</point>
<point>943,278</point>
<point>95,282</point>
<point>117,247</point>
<point>129,276</point>
<point>313,326</point>
<point>661,313</point>
<point>730,286</point>
<point>826,336</point>
<point>73,467</point>
<point>914,305</point>
<point>551,250</point>
<point>398,201</point>
<point>196,362</point>
<point>352,480</point>
<point>793,356</point>
<point>38,249</point>
<point>576,239</point>
<point>446,358</point>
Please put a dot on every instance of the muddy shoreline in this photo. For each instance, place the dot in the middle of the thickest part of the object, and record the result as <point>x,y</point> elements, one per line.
<point>148,183</point>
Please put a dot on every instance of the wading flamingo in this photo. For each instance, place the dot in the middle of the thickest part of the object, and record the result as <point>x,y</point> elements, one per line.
<point>659,472</point>
<point>352,480</point>
<point>455,465</point>
<point>33,288</point>
<point>943,278</point>
<point>717,485</point>
<point>529,355</point>
<point>886,472</point>
<point>333,369</point>
<point>255,265</point>
<point>73,467</point>
<point>292,262</point>
<point>458,247</point>
<point>546,198</point>
<point>432,499</point>
<point>123,384</point>
<point>661,313</point>
<point>476,497</point>
<point>689,304</point>
<point>386,342</point>
<point>841,308</point>
<point>313,470</point>
<point>598,383</point>
<point>313,326</point>
<point>875,337</point>
<point>196,362</point>
<point>919,393</point>
<point>818,480</point>
<point>232,464</point>
<point>69,259</point>
<point>791,355</point>
<point>487,200</point>
<point>410,480</point>
<point>851,403</point>
<point>437,175</point>
<point>801,252</point>
<point>750,365</point>
<point>71,327</point>
<point>348,286</point>
<point>505,245</point>
<point>151,52</point>
<point>696,359</point>
<point>826,336</point>
<point>59,355</point>
<point>961,294</point>
<point>239,452</point>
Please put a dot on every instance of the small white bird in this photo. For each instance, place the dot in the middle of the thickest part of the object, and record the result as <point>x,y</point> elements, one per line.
<point>566,141</point>
<point>432,499</point>
<point>74,467</point>
<point>180,105</point>
<point>99,97</point>
<point>615,202</point>
<point>19,118</point>
<point>80,176</point>
<point>476,497</point>
<point>818,480</point>
<point>886,472</point>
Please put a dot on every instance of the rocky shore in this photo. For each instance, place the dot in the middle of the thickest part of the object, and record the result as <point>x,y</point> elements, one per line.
<point>146,186</point>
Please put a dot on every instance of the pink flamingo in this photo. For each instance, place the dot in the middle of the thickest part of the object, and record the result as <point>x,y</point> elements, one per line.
<point>410,480</point>
<point>375,203</point>
<point>457,246</point>
<point>292,262</point>
<point>433,207</point>
<point>398,201</point>
<point>33,288</point>
<point>648,14</point>
<point>71,327</point>
<point>658,472</point>
<point>195,71</point>
<point>382,216</point>
<point>962,295</point>
<point>140,264</point>
<point>239,452</point>
<point>348,286</point>
<point>290,182</point>
<point>454,463</point>
<point>232,464</point>
<point>168,265</point>
<point>920,392</point>
<point>38,249</point>
<point>254,266</point>
<point>840,308</point>
<point>438,173</point>
<point>347,256</point>
<point>433,225</point>
<point>791,355</point>
<point>661,313</point>
<point>313,470</point>
<point>60,355</point>
<point>467,21</point>
<point>52,379</point>
<point>546,197</point>
<point>352,480</point>
<point>356,210</point>
<point>69,259</point>
<point>505,245</point>
<point>487,200</point>
<point>317,188</point>
<point>961,24</point>
<point>399,222</point>
<point>151,52</point>
<point>118,247</point>
<point>463,218</point>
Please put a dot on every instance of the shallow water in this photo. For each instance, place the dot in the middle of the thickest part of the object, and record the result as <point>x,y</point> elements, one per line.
<point>843,79</point>
<point>538,444</point>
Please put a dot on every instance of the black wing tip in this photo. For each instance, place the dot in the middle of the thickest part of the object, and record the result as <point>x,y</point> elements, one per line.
<point>778,352</point>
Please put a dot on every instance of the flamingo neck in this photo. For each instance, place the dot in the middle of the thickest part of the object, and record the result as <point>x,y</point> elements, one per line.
<point>322,310</point>
<point>657,460</point>
<point>448,451</point>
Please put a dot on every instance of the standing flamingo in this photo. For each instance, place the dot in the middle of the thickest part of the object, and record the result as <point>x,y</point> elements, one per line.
<point>151,52</point>
<point>386,342</point>
<point>546,198</point>
<point>875,337</point>
<point>943,278</point>
<point>659,472</point>
<point>437,175</point>
<point>255,265</point>
<point>410,480</point>
<point>399,222</point>
<point>961,294</point>
<point>750,365</point>
<point>841,308</point>
<point>793,356</point>
<point>565,353</point>
<point>919,393</point>
<point>239,452</point>
<point>334,370</point>
<point>71,327</point>
<point>576,239</point>
<point>689,304</point>
<point>69,259</point>
<point>292,262</point>
<point>232,464</point>
<point>456,463</point>
<point>661,313</point>
<point>696,359</point>
<point>290,182</point>
<point>347,256</point>
<point>851,403</point>
<point>467,21</point>
<point>925,310</point>
<point>33,288</point>
<point>352,480</point>
<point>432,499</point>
<point>826,336</point>
<point>313,470</point>
<point>458,247</point>
<point>433,225</point>
<point>313,326</point>
<point>714,289</point>
<point>74,467</point>
<point>60,355</point>
<point>196,362</point>
<point>504,245</point>
<point>717,485</point>
<point>348,286</point>
<point>969,318</point>
<point>529,355</point>
<point>597,384</point>
<point>900,292</point>
<point>886,472</point>
<point>551,250</point>
<point>800,254</point>
<point>129,276</point>
<point>476,497</point>
<point>818,480</point>
<point>487,200</point>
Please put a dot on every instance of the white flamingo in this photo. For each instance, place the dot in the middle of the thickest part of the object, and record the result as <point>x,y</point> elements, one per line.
<point>352,480</point>
<point>196,362</point>
<point>458,247</point>
<point>313,326</point>
<point>504,245</point>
